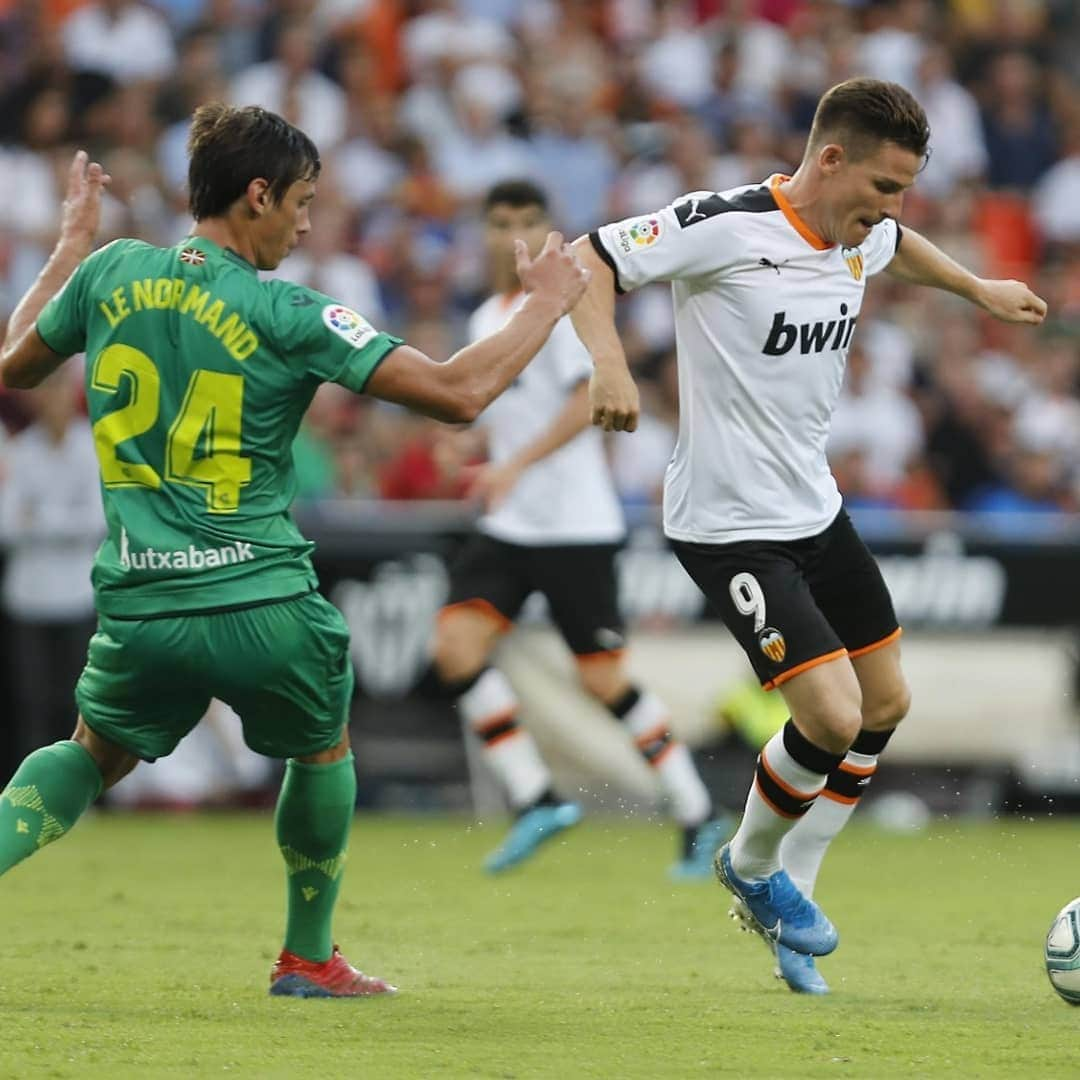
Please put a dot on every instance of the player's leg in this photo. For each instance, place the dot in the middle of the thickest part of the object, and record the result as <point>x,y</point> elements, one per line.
<point>581,587</point>
<point>761,591</point>
<point>131,705</point>
<point>465,636</point>
<point>647,720</point>
<point>466,633</point>
<point>489,581</point>
<point>850,590</point>
<point>285,669</point>
<point>885,703</point>
<point>53,788</point>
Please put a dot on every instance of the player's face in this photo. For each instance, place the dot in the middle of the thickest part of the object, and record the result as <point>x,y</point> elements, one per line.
<point>282,224</point>
<point>865,191</point>
<point>502,226</point>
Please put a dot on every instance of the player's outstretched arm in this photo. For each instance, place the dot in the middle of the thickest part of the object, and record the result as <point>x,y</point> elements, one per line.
<point>923,263</point>
<point>458,390</point>
<point>494,481</point>
<point>25,359</point>
<point>613,395</point>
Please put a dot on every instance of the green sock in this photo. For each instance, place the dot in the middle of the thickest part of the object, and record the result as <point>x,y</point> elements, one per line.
<point>50,792</point>
<point>314,812</point>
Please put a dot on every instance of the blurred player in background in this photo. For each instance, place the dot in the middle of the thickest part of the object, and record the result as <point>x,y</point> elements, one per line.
<point>551,524</point>
<point>197,377</point>
<point>767,283</point>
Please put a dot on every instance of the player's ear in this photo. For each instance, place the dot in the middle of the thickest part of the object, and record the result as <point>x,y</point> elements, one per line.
<point>830,157</point>
<point>258,196</point>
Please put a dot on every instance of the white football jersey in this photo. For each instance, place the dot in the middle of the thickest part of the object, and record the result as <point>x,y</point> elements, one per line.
<point>764,314</point>
<point>567,497</point>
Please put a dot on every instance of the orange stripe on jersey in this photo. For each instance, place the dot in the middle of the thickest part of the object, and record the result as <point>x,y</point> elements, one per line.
<point>894,636</point>
<point>481,607</point>
<point>772,806</point>
<point>792,215</point>
<point>800,668</point>
<point>783,785</point>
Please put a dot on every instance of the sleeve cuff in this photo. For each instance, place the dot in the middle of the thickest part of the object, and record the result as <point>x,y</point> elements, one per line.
<point>598,247</point>
<point>391,345</point>
<point>899,236</point>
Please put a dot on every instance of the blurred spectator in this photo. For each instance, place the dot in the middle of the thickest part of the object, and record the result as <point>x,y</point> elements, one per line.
<point>878,423</point>
<point>573,160</point>
<point>618,107</point>
<point>476,151</point>
<point>121,38</point>
<point>892,48</point>
<point>1018,128</point>
<point>677,63</point>
<point>51,523</point>
<point>1055,201</point>
<point>290,85</point>
<point>957,148</point>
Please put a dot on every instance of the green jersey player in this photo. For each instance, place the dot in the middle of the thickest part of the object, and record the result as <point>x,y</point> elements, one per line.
<point>197,376</point>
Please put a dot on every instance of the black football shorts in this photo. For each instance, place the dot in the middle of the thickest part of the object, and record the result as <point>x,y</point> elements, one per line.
<point>792,604</point>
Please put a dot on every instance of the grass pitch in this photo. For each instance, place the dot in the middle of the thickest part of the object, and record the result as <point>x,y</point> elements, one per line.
<point>141,946</point>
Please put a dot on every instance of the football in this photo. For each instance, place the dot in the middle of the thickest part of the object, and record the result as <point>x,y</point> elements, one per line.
<point>1062,953</point>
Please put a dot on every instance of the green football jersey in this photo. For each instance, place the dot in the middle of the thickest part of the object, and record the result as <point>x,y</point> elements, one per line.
<point>197,376</point>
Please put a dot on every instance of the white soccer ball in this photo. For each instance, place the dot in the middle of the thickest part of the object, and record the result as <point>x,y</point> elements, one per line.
<point>1062,953</point>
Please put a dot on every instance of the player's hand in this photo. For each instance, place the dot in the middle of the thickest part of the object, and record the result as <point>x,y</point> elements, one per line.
<point>1012,301</point>
<point>81,213</point>
<point>492,483</point>
<point>613,398</point>
<point>554,274</point>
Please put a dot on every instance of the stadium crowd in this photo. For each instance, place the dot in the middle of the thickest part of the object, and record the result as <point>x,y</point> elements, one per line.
<point>616,106</point>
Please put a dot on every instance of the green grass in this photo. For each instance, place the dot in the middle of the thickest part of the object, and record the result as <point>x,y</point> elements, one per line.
<point>140,947</point>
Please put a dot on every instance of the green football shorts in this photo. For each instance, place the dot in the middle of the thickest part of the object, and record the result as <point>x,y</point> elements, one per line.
<point>283,667</point>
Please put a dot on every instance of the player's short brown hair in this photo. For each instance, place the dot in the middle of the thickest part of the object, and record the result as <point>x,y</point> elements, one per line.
<point>229,147</point>
<point>860,114</point>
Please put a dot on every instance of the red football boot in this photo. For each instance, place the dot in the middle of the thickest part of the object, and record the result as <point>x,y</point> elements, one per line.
<point>293,976</point>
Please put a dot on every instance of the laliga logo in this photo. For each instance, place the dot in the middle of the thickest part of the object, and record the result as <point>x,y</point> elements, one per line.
<point>341,318</point>
<point>645,232</point>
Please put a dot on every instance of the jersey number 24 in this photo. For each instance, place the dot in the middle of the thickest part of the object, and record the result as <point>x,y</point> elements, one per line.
<point>209,418</point>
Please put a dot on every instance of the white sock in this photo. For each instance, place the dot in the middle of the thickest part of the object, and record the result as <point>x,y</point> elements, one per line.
<point>646,717</point>
<point>490,708</point>
<point>804,847</point>
<point>790,773</point>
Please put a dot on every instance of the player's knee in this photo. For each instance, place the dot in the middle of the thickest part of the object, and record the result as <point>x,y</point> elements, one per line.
<point>604,682</point>
<point>112,761</point>
<point>454,663</point>
<point>884,712</point>
<point>458,652</point>
<point>833,726</point>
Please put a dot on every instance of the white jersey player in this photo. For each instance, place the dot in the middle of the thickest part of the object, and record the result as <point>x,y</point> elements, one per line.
<point>552,524</point>
<point>767,283</point>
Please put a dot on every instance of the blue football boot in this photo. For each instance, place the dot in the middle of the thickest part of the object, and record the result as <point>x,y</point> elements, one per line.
<point>799,971</point>
<point>697,863</point>
<point>533,828</point>
<point>777,910</point>
<point>796,969</point>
